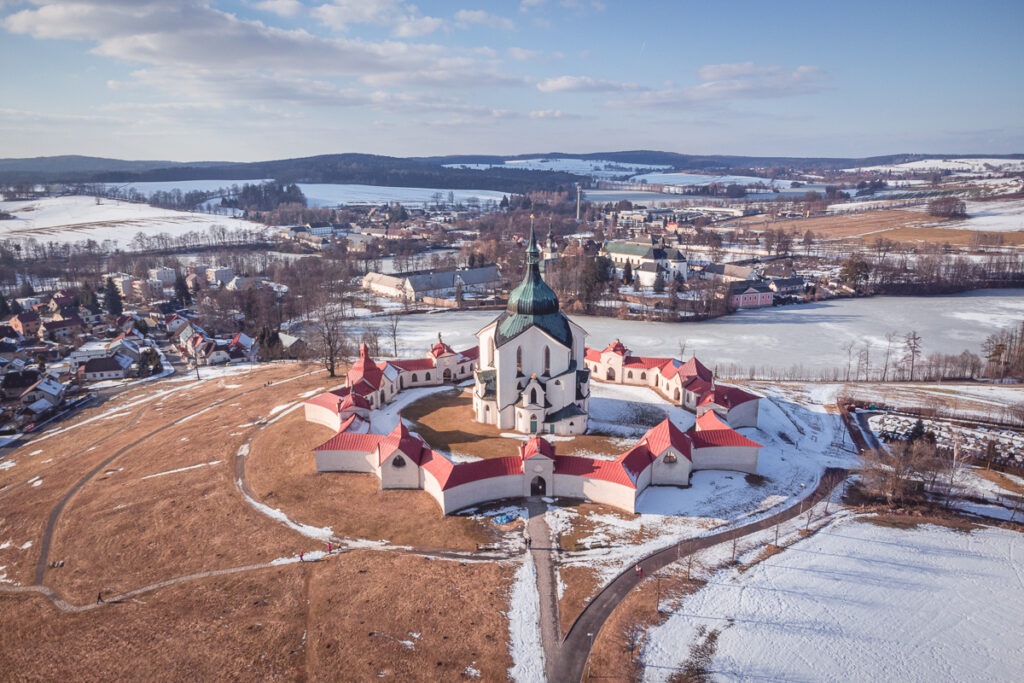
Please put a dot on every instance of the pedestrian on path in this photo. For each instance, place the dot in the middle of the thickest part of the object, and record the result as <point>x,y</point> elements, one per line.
<point>328,548</point>
<point>300,557</point>
<point>639,571</point>
<point>99,598</point>
<point>529,541</point>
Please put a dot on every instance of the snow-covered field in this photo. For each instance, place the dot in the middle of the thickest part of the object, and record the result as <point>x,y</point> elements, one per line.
<point>332,195</point>
<point>701,179</point>
<point>859,602</point>
<point>182,185</point>
<point>812,334</point>
<point>1002,215</point>
<point>974,165</point>
<point>595,168</point>
<point>73,219</point>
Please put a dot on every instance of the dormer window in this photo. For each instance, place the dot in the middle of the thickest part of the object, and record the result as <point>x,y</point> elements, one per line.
<point>398,462</point>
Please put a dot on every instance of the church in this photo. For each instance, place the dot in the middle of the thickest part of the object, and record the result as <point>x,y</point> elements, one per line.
<point>531,377</point>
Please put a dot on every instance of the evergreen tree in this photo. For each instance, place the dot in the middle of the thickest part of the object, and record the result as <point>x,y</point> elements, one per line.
<point>627,274</point>
<point>181,291</point>
<point>112,298</point>
<point>26,288</point>
<point>659,282</point>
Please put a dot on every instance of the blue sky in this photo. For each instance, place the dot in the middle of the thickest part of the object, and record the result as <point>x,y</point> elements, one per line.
<point>260,79</point>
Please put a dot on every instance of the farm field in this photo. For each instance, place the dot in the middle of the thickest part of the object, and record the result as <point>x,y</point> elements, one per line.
<point>75,219</point>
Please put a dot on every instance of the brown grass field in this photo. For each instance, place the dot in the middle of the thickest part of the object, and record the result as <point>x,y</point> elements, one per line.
<point>899,225</point>
<point>445,420</point>
<point>166,506</point>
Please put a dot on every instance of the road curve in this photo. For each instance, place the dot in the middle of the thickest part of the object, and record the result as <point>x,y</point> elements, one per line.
<point>569,661</point>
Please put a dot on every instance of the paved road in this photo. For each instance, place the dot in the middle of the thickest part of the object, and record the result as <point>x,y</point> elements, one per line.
<point>540,551</point>
<point>567,662</point>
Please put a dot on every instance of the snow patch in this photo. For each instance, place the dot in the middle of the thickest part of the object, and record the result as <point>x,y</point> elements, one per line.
<point>524,625</point>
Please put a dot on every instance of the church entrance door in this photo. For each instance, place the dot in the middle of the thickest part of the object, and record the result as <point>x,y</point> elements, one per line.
<point>538,487</point>
<point>447,376</point>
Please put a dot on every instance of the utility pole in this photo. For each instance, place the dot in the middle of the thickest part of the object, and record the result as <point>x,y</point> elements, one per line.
<point>579,201</point>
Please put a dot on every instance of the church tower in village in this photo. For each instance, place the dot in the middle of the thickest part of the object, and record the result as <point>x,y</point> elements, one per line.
<point>531,377</point>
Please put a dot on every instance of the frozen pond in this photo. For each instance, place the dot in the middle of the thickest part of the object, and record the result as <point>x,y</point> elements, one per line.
<point>812,335</point>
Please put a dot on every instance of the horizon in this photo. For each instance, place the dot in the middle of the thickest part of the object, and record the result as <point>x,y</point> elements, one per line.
<point>258,80</point>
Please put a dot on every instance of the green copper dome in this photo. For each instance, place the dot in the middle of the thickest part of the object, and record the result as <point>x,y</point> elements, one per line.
<point>533,303</point>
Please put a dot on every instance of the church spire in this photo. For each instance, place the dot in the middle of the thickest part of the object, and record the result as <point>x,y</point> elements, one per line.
<point>532,252</point>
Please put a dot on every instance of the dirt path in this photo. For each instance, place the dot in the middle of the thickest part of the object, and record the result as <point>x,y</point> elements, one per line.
<point>567,662</point>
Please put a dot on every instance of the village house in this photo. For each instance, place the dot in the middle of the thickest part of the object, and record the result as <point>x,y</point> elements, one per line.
<point>14,383</point>
<point>61,329</point>
<point>750,295</point>
<point>219,275</point>
<point>788,286</point>
<point>107,367</point>
<point>727,272</point>
<point>26,324</point>
<point>165,275</point>
<point>44,388</point>
<point>414,286</point>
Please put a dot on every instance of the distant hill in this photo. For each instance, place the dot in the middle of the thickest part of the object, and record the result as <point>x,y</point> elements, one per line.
<point>371,169</point>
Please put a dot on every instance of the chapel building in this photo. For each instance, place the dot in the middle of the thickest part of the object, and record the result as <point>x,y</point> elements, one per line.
<point>531,377</point>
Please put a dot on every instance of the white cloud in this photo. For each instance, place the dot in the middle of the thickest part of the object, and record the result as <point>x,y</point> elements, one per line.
<point>584,84</point>
<point>745,80</point>
<point>285,8</point>
<point>404,19</point>
<point>552,114</point>
<point>521,54</point>
<point>527,5</point>
<point>465,17</point>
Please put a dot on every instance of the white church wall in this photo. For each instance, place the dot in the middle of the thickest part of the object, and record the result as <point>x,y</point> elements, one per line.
<point>322,416</point>
<point>343,461</point>
<point>737,458</point>
<point>671,473</point>
<point>404,476</point>
<point>743,415</point>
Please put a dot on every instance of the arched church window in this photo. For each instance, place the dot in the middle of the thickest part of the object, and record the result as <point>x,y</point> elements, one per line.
<point>670,458</point>
<point>643,375</point>
<point>533,396</point>
<point>414,377</point>
<point>428,377</point>
<point>398,461</point>
<point>547,360</point>
<point>490,352</point>
<point>519,359</point>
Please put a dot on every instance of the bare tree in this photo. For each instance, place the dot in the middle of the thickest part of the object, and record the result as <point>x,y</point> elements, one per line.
<point>393,320</point>
<point>329,343</point>
<point>889,339</point>
<point>912,344</point>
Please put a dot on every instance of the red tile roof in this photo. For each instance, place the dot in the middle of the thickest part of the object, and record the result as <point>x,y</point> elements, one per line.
<point>353,401</point>
<point>471,353</point>
<point>450,475</point>
<point>440,349</point>
<point>414,364</point>
<point>344,441</point>
<point>707,438</point>
<point>645,363</point>
<point>710,421</point>
<point>536,446</point>
<point>732,396</point>
<point>365,370</point>
<point>606,470</point>
<point>592,355</point>
<point>666,434</point>
<point>616,347</point>
<point>403,440</point>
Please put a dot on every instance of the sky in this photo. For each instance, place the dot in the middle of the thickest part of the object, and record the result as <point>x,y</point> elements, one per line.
<point>245,80</point>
